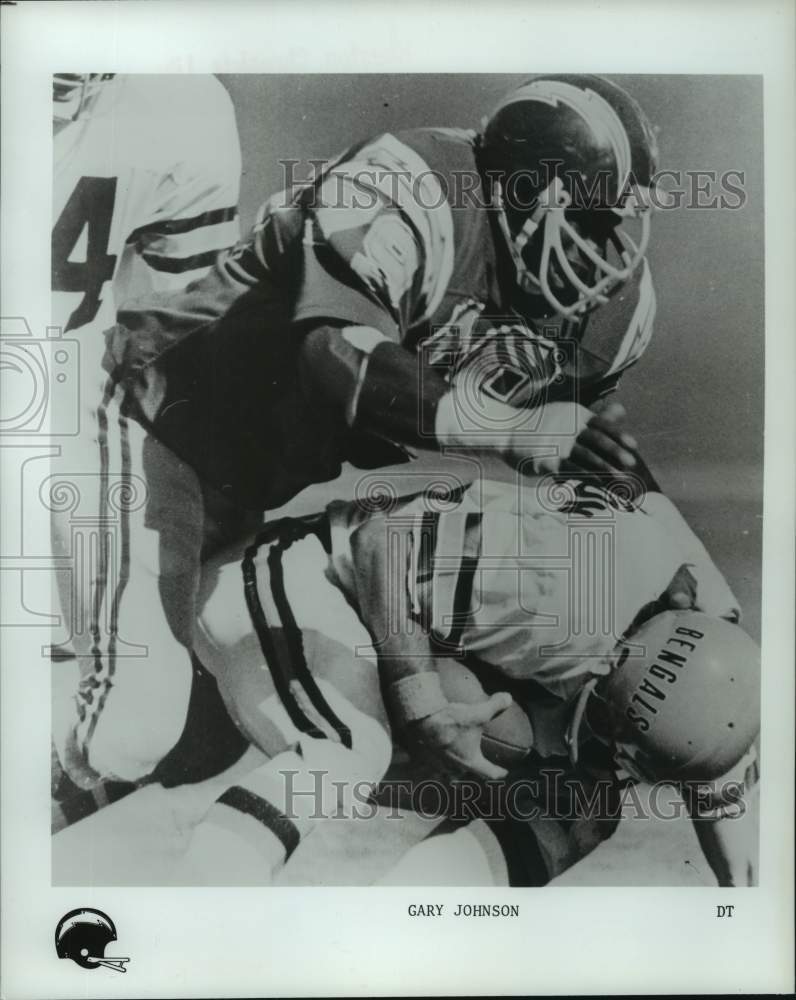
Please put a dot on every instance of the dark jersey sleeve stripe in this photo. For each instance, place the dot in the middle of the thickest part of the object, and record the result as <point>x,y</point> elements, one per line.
<point>178,265</point>
<point>173,227</point>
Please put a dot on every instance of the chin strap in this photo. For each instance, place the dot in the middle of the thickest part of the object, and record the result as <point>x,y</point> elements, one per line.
<point>572,735</point>
<point>626,756</point>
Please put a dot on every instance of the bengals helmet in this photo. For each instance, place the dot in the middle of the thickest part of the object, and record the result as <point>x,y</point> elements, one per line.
<point>83,936</point>
<point>570,160</point>
<point>683,697</point>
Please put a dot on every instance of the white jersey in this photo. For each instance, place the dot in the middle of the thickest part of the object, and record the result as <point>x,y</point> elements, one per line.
<point>542,584</point>
<point>146,189</point>
<point>145,193</point>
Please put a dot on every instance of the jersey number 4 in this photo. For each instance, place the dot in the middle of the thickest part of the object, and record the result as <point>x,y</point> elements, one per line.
<point>90,207</point>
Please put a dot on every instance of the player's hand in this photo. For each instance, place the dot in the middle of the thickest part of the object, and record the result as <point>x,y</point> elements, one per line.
<point>452,736</point>
<point>605,448</point>
<point>680,595</point>
<point>604,445</point>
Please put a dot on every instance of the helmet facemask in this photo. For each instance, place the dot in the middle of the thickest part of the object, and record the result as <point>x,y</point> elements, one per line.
<point>571,158</point>
<point>574,258</point>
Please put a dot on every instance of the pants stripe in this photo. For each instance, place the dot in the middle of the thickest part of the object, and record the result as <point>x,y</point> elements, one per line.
<point>100,582</point>
<point>257,615</point>
<point>279,537</point>
<point>105,666</point>
<point>124,521</point>
<point>296,643</point>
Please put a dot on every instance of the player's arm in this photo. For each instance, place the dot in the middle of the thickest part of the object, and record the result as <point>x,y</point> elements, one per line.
<point>381,389</point>
<point>430,724</point>
<point>725,818</point>
<point>365,266</point>
<point>366,275</point>
<point>366,278</point>
<point>729,846</point>
<point>193,211</point>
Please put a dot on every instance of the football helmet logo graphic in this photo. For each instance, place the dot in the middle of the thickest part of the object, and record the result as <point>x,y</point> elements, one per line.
<point>83,935</point>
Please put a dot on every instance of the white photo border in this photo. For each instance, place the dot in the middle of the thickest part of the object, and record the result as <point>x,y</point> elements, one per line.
<point>300,942</point>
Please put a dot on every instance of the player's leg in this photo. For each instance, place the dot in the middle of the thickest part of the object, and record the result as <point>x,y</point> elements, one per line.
<point>133,542</point>
<point>298,674</point>
<point>470,856</point>
<point>138,839</point>
<point>271,624</point>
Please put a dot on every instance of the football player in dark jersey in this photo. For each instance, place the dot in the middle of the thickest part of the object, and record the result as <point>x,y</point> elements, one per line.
<point>352,303</point>
<point>360,315</point>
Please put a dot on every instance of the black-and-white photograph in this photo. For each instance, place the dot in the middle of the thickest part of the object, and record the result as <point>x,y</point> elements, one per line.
<point>412,532</point>
<point>397,521</point>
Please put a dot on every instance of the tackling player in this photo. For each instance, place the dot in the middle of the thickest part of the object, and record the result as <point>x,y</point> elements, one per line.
<point>356,313</point>
<point>559,595</point>
<point>356,303</point>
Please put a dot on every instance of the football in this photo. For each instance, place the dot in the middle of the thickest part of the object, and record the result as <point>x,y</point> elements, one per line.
<point>508,738</point>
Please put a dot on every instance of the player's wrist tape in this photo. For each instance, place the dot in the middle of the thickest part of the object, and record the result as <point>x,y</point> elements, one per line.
<point>418,696</point>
